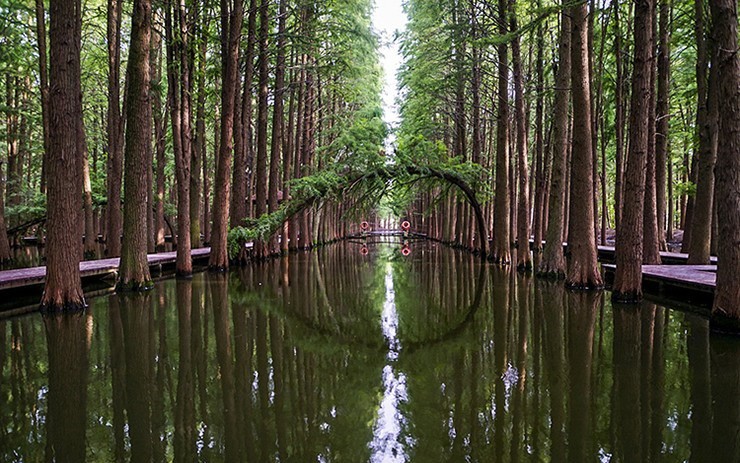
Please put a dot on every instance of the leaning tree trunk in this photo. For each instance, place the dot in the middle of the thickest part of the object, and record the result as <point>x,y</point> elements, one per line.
<point>553,260</point>
<point>231,25</point>
<point>63,287</point>
<point>134,268</point>
<point>726,307</point>
<point>501,251</point>
<point>628,277</point>
<point>583,269</point>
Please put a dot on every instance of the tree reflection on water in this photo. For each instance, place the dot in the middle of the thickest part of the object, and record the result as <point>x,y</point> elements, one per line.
<point>340,356</point>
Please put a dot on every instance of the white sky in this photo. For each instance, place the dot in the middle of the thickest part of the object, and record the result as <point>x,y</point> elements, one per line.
<point>388,18</point>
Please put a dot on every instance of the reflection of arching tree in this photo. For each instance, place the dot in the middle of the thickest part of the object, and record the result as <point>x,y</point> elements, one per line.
<point>67,338</point>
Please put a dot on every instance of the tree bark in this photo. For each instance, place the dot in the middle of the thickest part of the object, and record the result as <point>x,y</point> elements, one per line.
<point>726,307</point>
<point>231,24</point>
<point>260,249</point>
<point>524,259</point>
<point>553,259</point>
<point>583,270</point>
<point>115,130</point>
<point>662,154</point>
<point>628,277</point>
<point>277,122</point>
<point>501,251</point>
<point>706,123</point>
<point>134,268</point>
<point>44,81</point>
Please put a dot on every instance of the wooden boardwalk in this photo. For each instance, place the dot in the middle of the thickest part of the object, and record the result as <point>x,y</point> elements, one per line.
<point>100,268</point>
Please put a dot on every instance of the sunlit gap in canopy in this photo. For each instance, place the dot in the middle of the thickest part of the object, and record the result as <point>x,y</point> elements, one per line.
<point>389,20</point>
<point>389,445</point>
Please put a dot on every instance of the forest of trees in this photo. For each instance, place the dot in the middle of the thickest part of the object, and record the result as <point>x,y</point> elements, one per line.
<point>583,122</point>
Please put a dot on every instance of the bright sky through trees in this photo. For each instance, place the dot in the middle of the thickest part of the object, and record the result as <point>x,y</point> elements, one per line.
<point>388,18</point>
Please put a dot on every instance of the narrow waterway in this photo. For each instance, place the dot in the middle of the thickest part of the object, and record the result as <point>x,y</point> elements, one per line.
<point>338,355</point>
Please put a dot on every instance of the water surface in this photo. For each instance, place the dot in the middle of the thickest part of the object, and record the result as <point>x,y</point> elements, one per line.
<point>338,356</point>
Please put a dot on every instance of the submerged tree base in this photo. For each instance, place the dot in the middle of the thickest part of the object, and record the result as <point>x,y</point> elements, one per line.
<point>550,274</point>
<point>627,297</point>
<point>51,308</point>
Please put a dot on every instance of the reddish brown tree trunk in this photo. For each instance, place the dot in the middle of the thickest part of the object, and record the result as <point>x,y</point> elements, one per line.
<point>44,81</point>
<point>501,222</point>
<point>726,307</point>
<point>583,270</point>
<point>662,155</point>
<point>277,122</point>
<point>553,259</point>
<point>231,24</point>
<point>628,277</point>
<point>262,109</point>
<point>115,130</point>
<point>134,268</point>
<point>63,287</point>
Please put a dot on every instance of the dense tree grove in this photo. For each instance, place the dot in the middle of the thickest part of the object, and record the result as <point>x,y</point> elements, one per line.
<point>209,122</point>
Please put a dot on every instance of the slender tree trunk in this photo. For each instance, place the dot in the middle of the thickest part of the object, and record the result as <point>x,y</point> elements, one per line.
<point>277,122</point>
<point>243,146</point>
<point>134,268</point>
<point>583,270</point>
<point>726,307</point>
<point>662,154</point>
<point>44,81</point>
<point>501,222</point>
<point>231,24</point>
<point>553,259</point>
<point>706,122</point>
<point>650,235</point>
<point>619,122</point>
<point>260,248</point>
<point>5,255</point>
<point>160,122</point>
<point>628,277</point>
<point>540,195</point>
<point>524,259</point>
<point>199,143</point>
<point>63,287</point>
<point>115,130</point>
<point>90,234</point>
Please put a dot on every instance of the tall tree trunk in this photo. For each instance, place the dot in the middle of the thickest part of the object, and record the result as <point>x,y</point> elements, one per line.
<point>277,122</point>
<point>260,248</point>
<point>63,287</point>
<point>726,307</point>
<point>243,139</point>
<point>706,123</point>
<point>134,268</point>
<point>541,175</point>
<point>662,154</point>
<point>501,251</point>
<point>231,25</point>
<point>628,277</point>
<point>44,81</point>
<point>650,235</point>
<point>524,260</point>
<point>553,259</point>
<point>115,130</point>
<point>197,161</point>
<point>160,123</point>
<point>4,243</point>
<point>619,119</point>
<point>583,270</point>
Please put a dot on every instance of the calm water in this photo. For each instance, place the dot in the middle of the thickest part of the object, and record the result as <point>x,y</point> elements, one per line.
<point>337,356</point>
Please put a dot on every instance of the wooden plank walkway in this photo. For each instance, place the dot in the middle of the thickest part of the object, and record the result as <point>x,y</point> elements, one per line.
<point>90,268</point>
<point>675,280</point>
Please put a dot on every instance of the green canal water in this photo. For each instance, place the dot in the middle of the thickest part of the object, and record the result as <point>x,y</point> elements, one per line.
<point>342,355</point>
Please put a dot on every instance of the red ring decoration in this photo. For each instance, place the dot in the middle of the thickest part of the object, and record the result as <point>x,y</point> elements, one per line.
<point>364,225</point>
<point>364,250</point>
<point>406,251</point>
<point>405,225</point>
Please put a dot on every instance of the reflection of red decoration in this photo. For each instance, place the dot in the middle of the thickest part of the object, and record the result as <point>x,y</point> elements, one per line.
<point>364,250</point>
<point>406,225</point>
<point>406,251</point>
<point>364,225</point>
